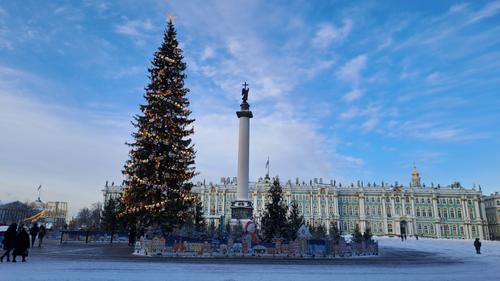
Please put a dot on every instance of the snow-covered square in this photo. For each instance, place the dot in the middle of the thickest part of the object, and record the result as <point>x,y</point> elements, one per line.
<point>425,259</point>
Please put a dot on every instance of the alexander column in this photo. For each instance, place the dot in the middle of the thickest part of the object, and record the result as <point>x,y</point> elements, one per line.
<point>241,208</point>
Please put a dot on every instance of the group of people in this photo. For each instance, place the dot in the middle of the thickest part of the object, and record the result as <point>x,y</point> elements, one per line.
<point>17,240</point>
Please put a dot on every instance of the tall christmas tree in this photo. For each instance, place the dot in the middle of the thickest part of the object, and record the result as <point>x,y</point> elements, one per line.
<point>161,164</point>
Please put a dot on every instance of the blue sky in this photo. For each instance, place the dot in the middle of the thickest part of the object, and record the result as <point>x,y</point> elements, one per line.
<point>341,90</point>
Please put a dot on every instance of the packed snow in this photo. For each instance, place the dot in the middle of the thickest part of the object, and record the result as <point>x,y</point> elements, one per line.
<point>460,262</point>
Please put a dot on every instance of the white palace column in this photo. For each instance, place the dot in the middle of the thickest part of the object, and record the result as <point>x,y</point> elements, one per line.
<point>362,217</point>
<point>384,215</point>
<point>437,219</point>
<point>336,211</point>
<point>413,228</point>
<point>463,206</point>
<point>479,226</point>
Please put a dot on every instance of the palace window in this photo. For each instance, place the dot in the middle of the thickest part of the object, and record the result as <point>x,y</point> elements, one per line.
<point>428,200</point>
<point>418,212</point>
<point>452,213</point>
<point>429,212</point>
<point>389,227</point>
<point>408,210</point>
<point>407,199</point>
<point>397,199</point>
<point>445,213</point>
<point>459,213</point>
<point>471,212</point>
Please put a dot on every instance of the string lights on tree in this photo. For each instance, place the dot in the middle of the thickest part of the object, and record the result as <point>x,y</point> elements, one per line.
<point>161,164</point>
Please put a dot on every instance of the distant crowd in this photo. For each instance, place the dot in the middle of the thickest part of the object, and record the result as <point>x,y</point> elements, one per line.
<point>17,240</point>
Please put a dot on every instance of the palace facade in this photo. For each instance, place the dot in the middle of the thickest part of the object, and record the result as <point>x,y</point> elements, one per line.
<point>448,212</point>
<point>492,204</point>
<point>387,209</point>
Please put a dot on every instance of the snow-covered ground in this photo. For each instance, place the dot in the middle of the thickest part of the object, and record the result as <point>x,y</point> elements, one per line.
<point>462,264</point>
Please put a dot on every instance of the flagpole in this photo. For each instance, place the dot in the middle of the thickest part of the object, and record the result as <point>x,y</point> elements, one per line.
<point>39,191</point>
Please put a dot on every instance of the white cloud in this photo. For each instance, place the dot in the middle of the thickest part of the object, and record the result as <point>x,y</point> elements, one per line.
<point>350,113</point>
<point>351,71</point>
<point>353,95</point>
<point>489,10</point>
<point>329,33</point>
<point>208,53</point>
<point>294,147</point>
<point>135,28</point>
<point>62,148</point>
<point>370,124</point>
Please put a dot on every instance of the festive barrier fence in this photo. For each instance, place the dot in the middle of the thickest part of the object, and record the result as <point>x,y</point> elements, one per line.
<point>177,246</point>
<point>92,236</point>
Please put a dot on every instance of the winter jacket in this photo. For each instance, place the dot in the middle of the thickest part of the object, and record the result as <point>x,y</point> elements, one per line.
<point>34,230</point>
<point>9,238</point>
<point>477,244</point>
<point>41,233</point>
<point>22,243</point>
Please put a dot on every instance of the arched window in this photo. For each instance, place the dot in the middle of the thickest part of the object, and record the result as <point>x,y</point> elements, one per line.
<point>408,210</point>
<point>452,213</point>
<point>445,213</point>
<point>459,213</point>
<point>397,199</point>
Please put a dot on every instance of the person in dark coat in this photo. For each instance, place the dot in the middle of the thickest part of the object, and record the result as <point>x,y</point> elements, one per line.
<point>41,234</point>
<point>477,245</point>
<point>9,240</point>
<point>22,244</point>
<point>34,232</point>
<point>131,237</point>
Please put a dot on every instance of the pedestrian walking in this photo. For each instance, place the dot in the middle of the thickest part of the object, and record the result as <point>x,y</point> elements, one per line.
<point>131,237</point>
<point>416,236</point>
<point>34,232</point>
<point>22,243</point>
<point>477,245</point>
<point>9,240</point>
<point>41,234</point>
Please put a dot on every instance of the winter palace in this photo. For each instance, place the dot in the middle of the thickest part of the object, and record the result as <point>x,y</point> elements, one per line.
<point>450,212</point>
<point>436,211</point>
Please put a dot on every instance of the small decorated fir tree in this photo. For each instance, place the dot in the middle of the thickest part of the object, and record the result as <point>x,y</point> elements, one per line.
<point>357,237</point>
<point>295,220</point>
<point>274,220</point>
